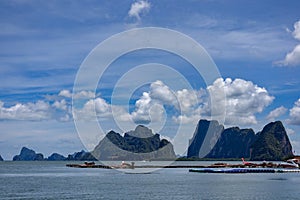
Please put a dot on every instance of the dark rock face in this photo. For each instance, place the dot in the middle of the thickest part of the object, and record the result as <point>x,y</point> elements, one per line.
<point>272,143</point>
<point>28,155</point>
<point>1,159</point>
<point>140,144</point>
<point>198,145</point>
<point>81,156</point>
<point>233,143</point>
<point>56,157</point>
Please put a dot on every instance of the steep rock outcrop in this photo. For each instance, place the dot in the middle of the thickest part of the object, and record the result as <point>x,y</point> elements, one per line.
<point>272,143</point>
<point>140,144</point>
<point>81,156</point>
<point>204,139</point>
<point>233,143</point>
<point>1,159</point>
<point>28,155</point>
<point>56,157</point>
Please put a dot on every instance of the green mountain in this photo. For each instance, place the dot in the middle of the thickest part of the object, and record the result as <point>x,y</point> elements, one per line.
<point>233,143</point>
<point>56,157</point>
<point>28,155</point>
<point>140,144</point>
<point>81,156</point>
<point>272,143</point>
<point>198,147</point>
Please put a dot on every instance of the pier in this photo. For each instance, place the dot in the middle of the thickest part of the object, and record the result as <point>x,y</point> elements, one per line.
<point>244,167</point>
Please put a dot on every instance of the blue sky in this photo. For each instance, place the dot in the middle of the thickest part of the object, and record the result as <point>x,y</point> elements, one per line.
<point>255,45</point>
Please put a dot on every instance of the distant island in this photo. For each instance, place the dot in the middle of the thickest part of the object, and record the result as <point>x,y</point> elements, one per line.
<point>27,154</point>
<point>139,144</point>
<point>270,144</point>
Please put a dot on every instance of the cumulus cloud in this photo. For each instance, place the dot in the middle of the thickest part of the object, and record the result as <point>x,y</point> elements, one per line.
<point>61,105</point>
<point>147,110</point>
<point>139,7</point>
<point>79,95</point>
<point>29,111</point>
<point>276,113</point>
<point>151,106</point>
<point>243,100</point>
<point>65,93</point>
<point>294,114</point>
<point>189,99</point>
<point>293,57</point>
<point>296,32</point>
<point>93,108</point>
<point>161,92</point>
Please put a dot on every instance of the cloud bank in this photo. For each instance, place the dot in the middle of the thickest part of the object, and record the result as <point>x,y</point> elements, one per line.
<point>244,100</point>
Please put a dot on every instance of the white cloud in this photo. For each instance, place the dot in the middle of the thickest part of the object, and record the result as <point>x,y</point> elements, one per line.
<point>187,119</point>
<point>290,131</point>
<point>189,99</point>
<point>62,105</point>
<point>65,118</point>
<point>293,57</point>
<point>294,115</point>
<point>147,110</point>
<point>243,100</point>
<point>150,107</point>
<point>29,111</point>
<point>38,111</point>
<point>161,92</point>
<point>65,93</point>
<point>78,95</point>
<point>296,32</point>
<point>143,105</point>
<point>276,113</point>
<point>139,7</point>
<point>84,95</point>
<point>93,108</point>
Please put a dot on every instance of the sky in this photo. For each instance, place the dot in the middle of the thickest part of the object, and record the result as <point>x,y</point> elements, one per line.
<point>44,45</point>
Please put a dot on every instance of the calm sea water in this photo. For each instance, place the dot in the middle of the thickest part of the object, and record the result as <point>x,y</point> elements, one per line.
<point>52,180</point>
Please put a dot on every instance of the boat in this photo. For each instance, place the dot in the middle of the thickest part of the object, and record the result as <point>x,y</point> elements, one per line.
<point>249,164</point>
<point>290,163</point>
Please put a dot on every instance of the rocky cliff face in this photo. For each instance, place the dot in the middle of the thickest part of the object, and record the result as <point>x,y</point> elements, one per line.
<point>81,156</point>
<point>1,159</point>
<point>28,155</point>
<point>233,143</point>
<point>272,143</point>
<point>204,139</point>
<point>56,157</point>
<point>140,144</point>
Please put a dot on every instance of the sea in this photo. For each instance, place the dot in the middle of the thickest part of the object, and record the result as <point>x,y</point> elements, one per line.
<point>53,180</point>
